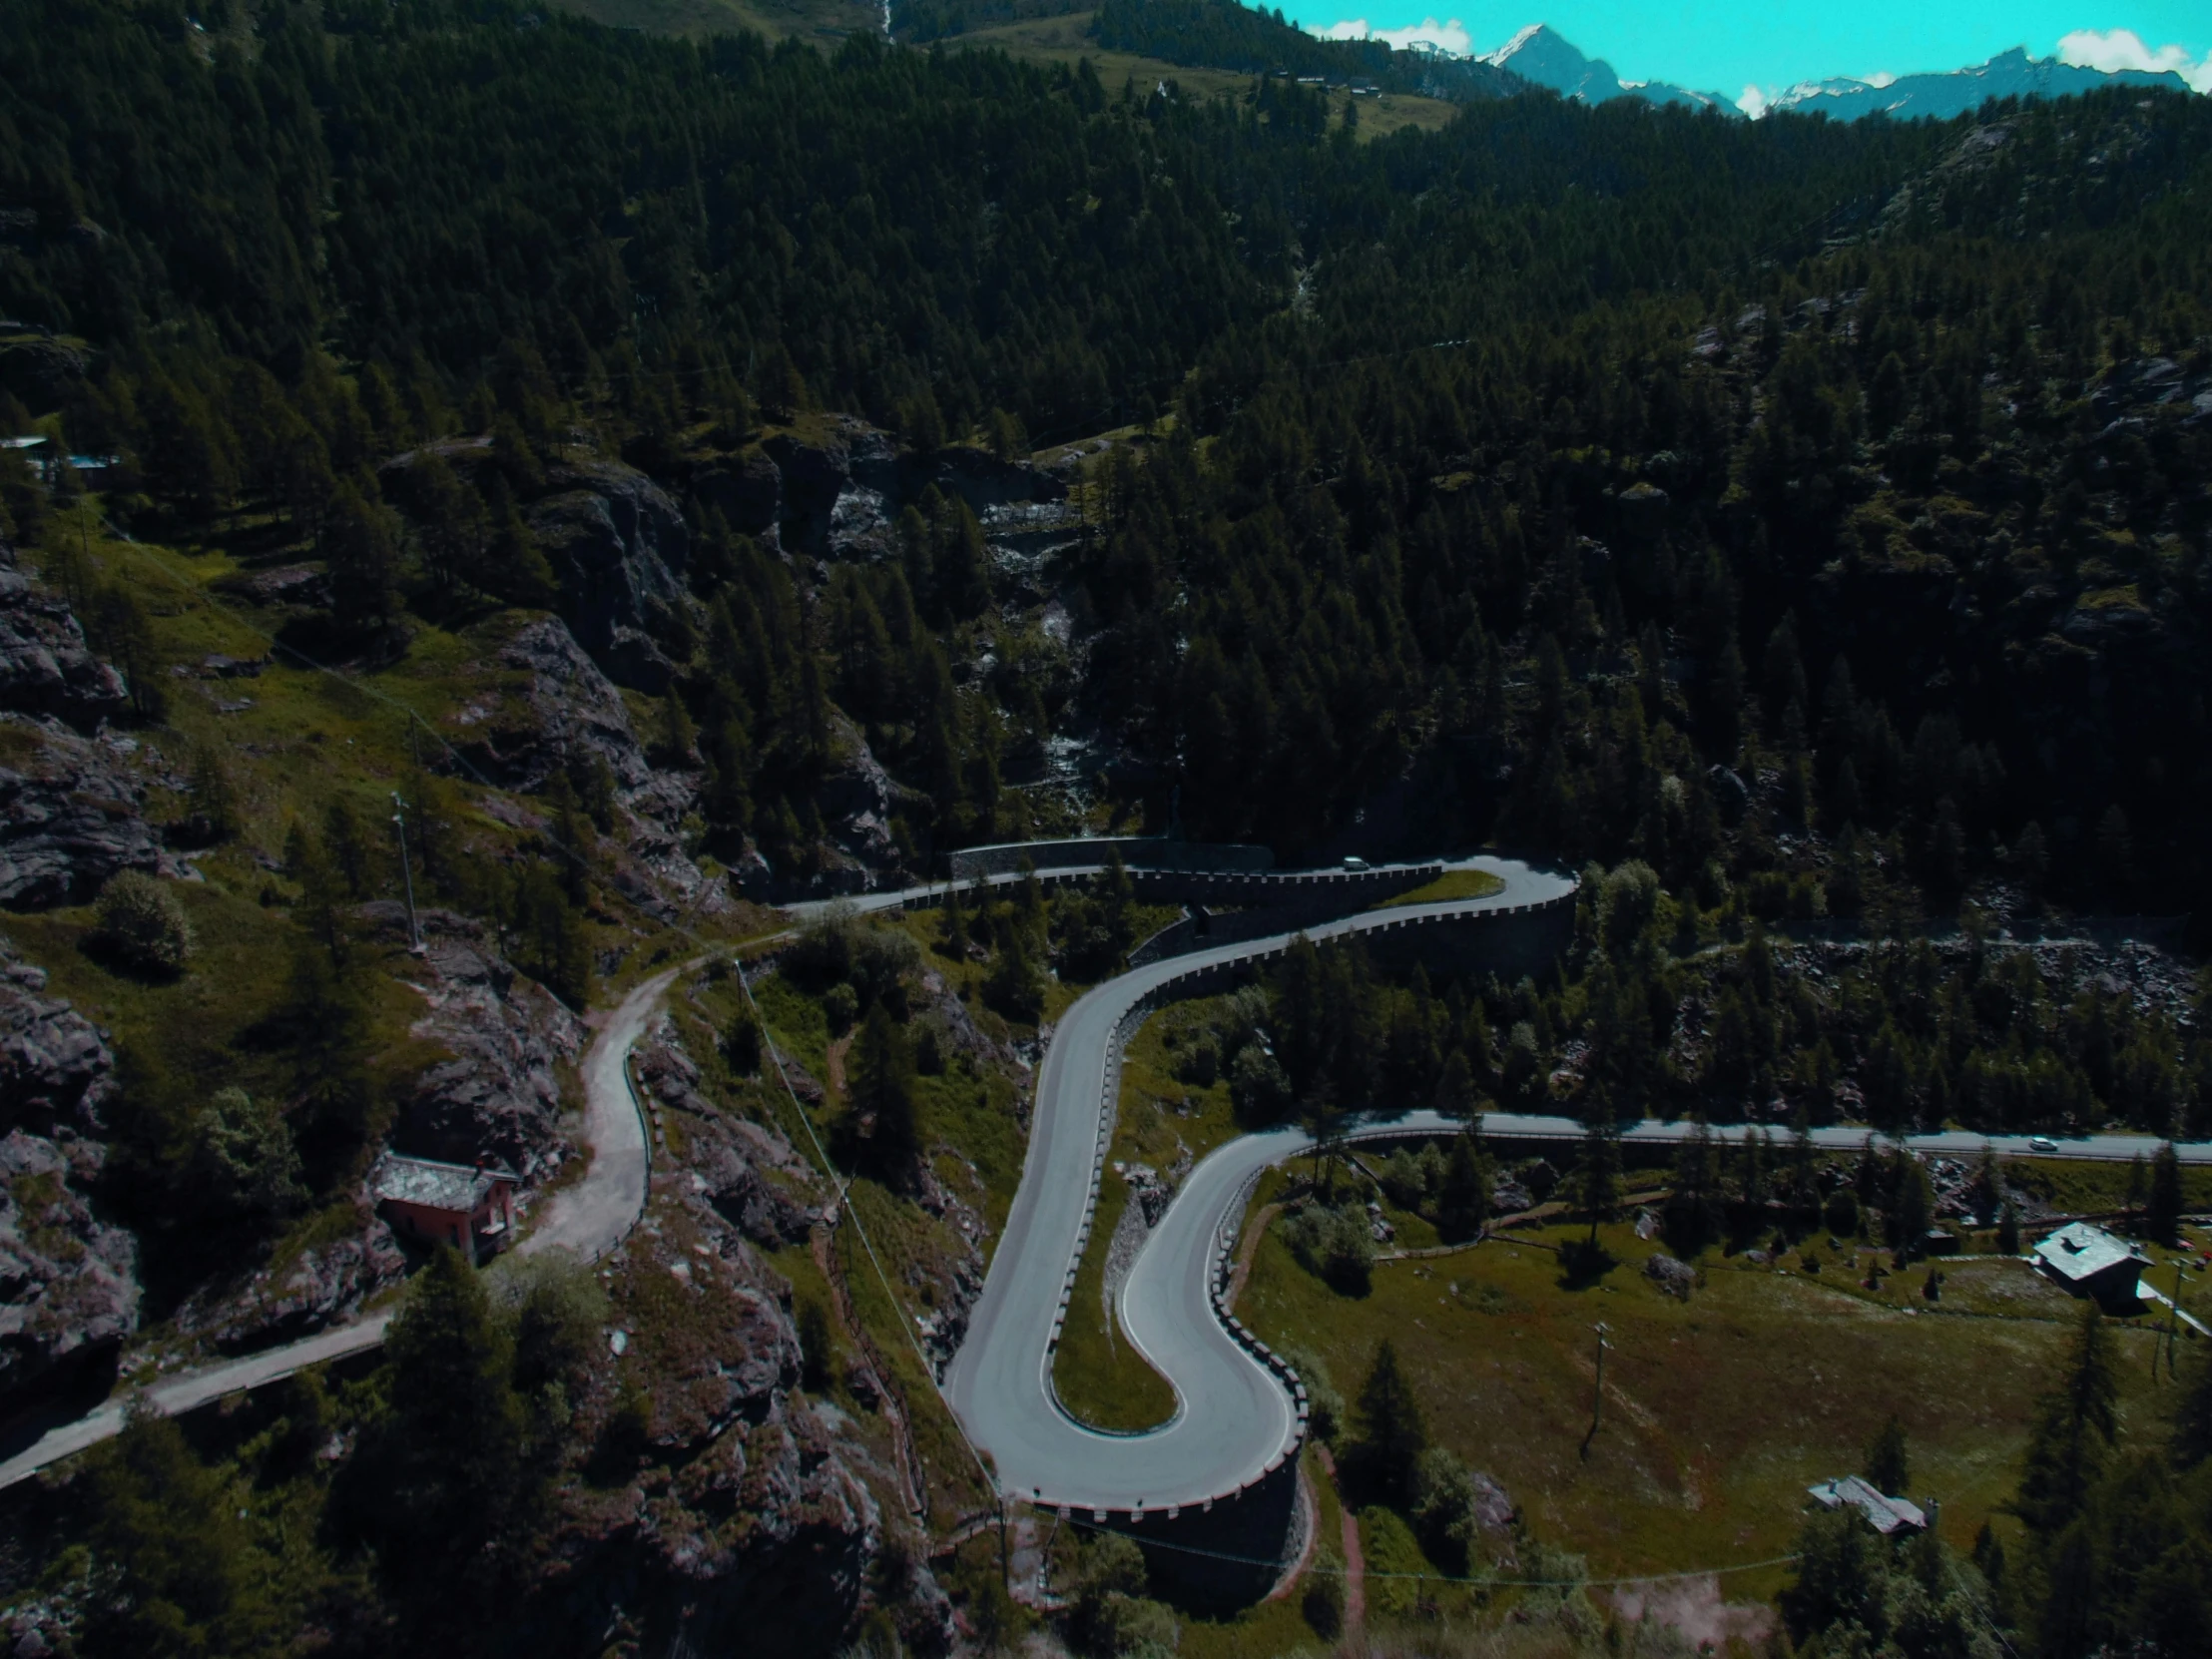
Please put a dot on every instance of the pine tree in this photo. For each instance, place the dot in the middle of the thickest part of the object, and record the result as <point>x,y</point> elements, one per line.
<point>1886,1466</point>
<point>445,1466</point>
<point>2074,1431</point>
<point>880,1100</point>
<point>2162,1216</point>
<point>1464,1200</point>
<point>1393,1435</point>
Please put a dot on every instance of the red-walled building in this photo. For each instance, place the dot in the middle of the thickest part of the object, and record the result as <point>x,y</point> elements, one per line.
<point>472,1207</point>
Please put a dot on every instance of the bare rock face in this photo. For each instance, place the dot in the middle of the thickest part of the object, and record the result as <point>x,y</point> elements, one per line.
<point>748,492</point>
<point>69,816</point>
<point>69,1288</point>
<point>858,799</point>
<point>498,1097</point>
<point>567,706</point>
<point>45,666</point>
<point>56,1073</point>
<point>319,1287</point>
<point>723,1513</point>
<point>752,1178</point>
<point>68,1281</point>
<point>617,545</point>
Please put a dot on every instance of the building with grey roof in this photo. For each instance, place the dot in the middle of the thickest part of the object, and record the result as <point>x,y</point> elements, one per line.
<point>470,1207</point>
<point>2090,1262</point>
<point>1889,1516</point>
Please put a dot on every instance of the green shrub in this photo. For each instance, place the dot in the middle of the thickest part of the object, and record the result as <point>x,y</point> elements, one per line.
<point>140,922</point>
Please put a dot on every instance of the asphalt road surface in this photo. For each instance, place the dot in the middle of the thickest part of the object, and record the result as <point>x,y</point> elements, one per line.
<point>1234,1419</point>
<point>591,1218</point>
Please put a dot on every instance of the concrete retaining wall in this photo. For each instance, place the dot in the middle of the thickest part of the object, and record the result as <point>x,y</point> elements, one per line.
<point>1147,851</point>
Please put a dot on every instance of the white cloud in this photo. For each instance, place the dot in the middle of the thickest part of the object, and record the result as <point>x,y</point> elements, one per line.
<point>2115,49</point>
<point>1452,37</point>
<point>1754,103</point>
<point>1880,78</point>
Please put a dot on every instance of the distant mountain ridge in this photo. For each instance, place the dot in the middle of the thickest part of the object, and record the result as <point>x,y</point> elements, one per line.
<point>1542,56</point>
<point>2010,74</point>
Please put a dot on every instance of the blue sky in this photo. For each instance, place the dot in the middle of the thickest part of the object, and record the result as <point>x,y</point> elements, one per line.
<point>1728,45</point>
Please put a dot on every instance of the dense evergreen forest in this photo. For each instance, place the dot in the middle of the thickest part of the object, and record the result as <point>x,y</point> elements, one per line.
<point>1802,527</point>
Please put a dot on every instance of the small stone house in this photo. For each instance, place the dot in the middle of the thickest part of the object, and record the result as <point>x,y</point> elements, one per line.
<point>470,1207</point>
<point>1890,1516</point>
<point>2090,1262</point>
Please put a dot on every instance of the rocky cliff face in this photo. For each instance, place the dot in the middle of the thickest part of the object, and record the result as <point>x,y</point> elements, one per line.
<point>69,1290</point>
<point>618,547</point>
<point>69,815</point>
<point>714,1503</point>
<point>500,1096</point>
<point>45,666</point>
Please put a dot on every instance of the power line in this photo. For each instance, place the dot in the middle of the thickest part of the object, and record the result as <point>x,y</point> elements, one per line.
<point>1499,1582</point>
<point>193,590</point>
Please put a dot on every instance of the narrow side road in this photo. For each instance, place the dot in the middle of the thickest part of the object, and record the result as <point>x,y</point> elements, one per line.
<point>589,1219</point>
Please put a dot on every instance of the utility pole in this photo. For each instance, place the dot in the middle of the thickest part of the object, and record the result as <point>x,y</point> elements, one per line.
<point>399,827</point>
<point>1597,1395</point>
<point>2173,1328</point>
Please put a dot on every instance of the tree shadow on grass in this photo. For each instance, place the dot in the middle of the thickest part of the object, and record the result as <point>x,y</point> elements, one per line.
<point>1583,1263</point>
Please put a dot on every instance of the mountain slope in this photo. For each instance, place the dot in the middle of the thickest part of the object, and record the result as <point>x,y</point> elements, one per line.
<point>1543,57</point>
<point>2010,74</point>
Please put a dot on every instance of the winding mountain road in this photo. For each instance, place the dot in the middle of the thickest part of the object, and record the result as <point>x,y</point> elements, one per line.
<point>1235,1422</point>
<point>1237,1417</point>
<point>589,1219</point>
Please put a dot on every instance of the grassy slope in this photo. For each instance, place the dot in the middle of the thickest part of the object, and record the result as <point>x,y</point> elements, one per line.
<point>1454,883</point>
<point>1065,39</point>
<point>1100,1378</point>
<point>1720,1411</point>
<point>301,740</point>
<point>826,20</point>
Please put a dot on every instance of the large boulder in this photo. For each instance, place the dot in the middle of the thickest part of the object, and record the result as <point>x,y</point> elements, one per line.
<point>322,1286</point>
<point>69,816</point>
<point>617,545</point>
<point>46,667</point>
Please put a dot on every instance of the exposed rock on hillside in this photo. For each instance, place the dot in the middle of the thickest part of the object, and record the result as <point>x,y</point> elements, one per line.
<point>68,1280</point>
<point>500,1096</point>
<point>56,1073</point>
<point>69,816</point>
<point>742,1518</point>
<point>45,666</point>
<point>617,545</point>
<point>318,1287</point>
<point>747,491</point>
<point>568,707</point>
<point>751,1177</point>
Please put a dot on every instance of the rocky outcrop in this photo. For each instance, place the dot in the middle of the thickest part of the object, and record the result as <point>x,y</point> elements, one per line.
<point>618,546</point>
<point>69,1289</point>
<point>724,1511</point>
<point>69,816</point>
<point>56,1072</point>
<point>746,490</point>
<point>565,706</point>
<point>750,1177</point>
<point>500,1096</point>
<point>858,799</point>
<point>46,667</point>
<point>319,1286</point>
<point>68,1281</point>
